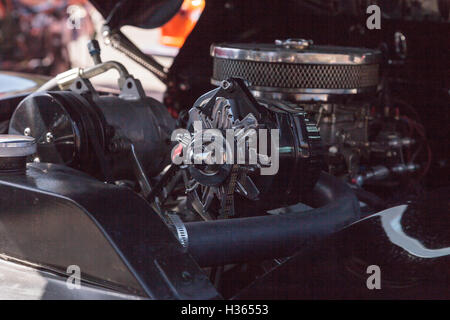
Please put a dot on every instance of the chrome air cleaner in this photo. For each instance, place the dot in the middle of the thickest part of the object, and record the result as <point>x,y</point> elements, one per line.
<point>297,70</point>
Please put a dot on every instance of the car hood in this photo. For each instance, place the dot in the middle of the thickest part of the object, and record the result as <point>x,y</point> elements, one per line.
<point>145,14</point>
<point>12,83</point>
<point>155,13</point>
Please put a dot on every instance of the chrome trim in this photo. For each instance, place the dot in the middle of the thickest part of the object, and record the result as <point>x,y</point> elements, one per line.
<point>302,94</point>
<point>295,97</point>
<point>313,91</point>
<point>16,145</point>
<point>311,55</point>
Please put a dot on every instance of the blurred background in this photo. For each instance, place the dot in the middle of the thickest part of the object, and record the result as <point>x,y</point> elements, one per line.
<point>48,37</point>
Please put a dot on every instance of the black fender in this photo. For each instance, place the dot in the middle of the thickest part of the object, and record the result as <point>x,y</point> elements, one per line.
<point>408,245</point>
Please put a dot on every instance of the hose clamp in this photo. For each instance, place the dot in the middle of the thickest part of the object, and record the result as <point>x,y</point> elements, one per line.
<point>180,229</point>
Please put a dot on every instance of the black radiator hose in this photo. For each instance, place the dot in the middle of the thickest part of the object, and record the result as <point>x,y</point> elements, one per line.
<point>372,200</point>
<point>221,242</point>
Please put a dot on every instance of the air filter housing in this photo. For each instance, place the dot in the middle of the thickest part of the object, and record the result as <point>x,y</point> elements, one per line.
<point>297,70</point>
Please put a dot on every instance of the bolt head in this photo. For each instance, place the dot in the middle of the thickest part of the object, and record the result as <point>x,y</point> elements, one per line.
<point>49,137</point>
<point>226,85</point>
<point>333,150</point>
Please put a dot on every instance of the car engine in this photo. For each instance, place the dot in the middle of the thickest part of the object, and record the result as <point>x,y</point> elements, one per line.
<point>295,143</point>
<point>337,87</point>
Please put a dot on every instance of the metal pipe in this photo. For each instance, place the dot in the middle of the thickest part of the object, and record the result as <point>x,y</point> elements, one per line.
<point>65,79</point>
<point>380,172</point>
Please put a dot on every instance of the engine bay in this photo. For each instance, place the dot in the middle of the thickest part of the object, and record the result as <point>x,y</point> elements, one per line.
<point>292,144</point>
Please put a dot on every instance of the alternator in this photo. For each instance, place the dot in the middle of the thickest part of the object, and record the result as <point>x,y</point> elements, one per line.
<point>234,185</point>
